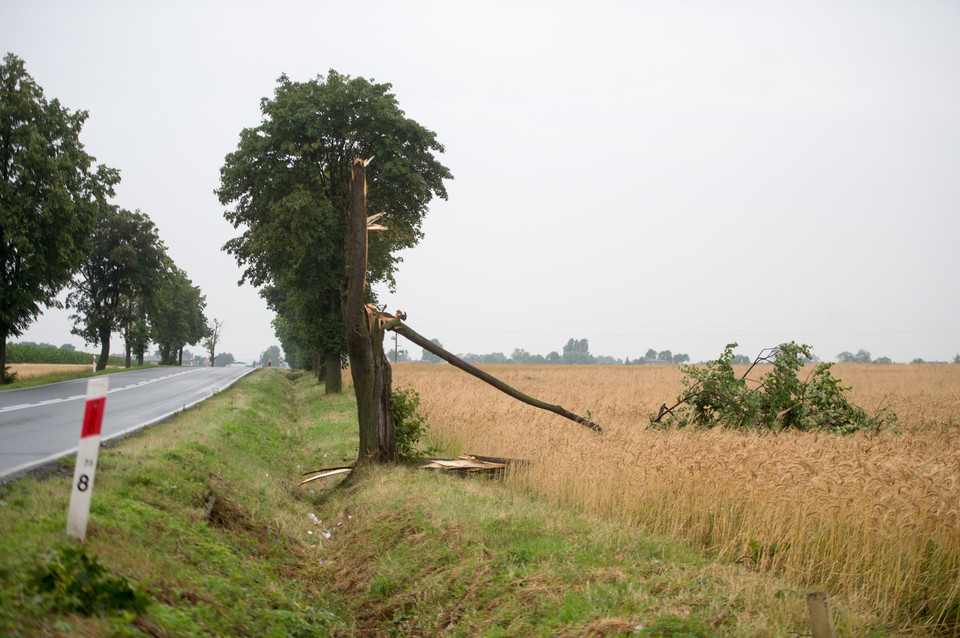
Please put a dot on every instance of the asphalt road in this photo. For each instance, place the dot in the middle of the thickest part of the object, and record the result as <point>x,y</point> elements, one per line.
<point>41,424</point>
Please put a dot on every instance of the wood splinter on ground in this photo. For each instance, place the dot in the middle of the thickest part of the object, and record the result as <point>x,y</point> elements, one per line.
<point>463,463</point>
<point>325,474</point>
<point>466,463</point>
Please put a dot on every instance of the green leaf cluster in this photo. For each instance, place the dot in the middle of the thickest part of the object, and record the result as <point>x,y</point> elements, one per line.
<point>71,581</point>
<point>780,400</point>
<point>411,426</point>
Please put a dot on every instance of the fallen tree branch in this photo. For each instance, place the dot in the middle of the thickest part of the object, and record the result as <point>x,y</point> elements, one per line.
<point>402,329</point>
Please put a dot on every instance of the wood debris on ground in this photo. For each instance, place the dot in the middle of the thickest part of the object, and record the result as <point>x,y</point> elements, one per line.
<point>466,463</point>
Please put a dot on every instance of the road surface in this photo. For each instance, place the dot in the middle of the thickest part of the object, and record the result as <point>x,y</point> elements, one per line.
<point>41,424</point>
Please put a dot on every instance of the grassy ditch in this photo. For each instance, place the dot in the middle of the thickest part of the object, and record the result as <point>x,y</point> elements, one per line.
<point>398,552</point>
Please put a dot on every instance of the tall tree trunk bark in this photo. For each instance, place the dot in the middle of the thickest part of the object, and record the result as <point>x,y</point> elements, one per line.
<point>368,365</point>
<point>332,379</point>
<point>104,349</point>
<point>129,352</point>
<point>3,359</point>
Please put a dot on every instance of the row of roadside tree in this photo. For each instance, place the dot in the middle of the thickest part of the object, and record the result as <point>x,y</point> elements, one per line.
<point>59,230</point>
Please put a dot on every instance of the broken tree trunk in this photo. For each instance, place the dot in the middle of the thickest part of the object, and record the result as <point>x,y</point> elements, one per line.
<point>397,325</point>
<point>368,364</point>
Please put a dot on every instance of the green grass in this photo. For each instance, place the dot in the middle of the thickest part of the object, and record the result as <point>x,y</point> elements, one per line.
<point>397,551</point>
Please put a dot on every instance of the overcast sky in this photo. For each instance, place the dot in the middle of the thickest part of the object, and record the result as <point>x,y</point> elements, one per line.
<point>667,175</point>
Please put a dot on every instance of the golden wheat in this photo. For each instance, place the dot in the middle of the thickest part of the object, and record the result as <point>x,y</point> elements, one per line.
<point>874,518</point>
<point>33,370</point>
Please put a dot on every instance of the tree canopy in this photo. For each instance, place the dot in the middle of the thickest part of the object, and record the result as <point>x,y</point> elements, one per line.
<point>117,278</point>
<point>48,190</point>
<point>288,184</point>
<point>223,360</point>
<point>176,315</point>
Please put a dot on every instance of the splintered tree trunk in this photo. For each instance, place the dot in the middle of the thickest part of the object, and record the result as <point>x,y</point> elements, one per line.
<point>368,364</point>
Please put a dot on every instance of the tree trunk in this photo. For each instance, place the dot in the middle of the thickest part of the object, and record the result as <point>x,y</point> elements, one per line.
<point>368,365</point>
<point>3,359</point>
<point>104,349</point>
<point>129,352</point>
<point>332,379</point>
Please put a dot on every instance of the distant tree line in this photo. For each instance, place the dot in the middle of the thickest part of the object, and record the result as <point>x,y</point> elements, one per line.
<point>575,352</point>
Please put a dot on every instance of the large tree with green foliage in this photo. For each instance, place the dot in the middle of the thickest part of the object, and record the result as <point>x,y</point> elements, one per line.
<point>288,184</point>
<point>48,191</point>
<point>176,315</point>
<point>116,279</point>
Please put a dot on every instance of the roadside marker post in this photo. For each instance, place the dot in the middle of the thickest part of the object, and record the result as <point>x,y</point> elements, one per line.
<point>94,363</point>
<point>87,453</point>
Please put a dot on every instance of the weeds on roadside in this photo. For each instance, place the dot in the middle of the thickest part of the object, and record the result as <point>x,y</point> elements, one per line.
<point>71,581</point>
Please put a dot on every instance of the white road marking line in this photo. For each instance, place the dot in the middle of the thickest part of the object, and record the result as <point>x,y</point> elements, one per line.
<point>22,406</point>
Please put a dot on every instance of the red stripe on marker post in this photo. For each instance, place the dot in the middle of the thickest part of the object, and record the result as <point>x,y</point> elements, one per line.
<point>93,415</point>
<point>87,452</point>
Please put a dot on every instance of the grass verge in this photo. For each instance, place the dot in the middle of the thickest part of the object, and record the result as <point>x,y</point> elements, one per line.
<point>198,528</point>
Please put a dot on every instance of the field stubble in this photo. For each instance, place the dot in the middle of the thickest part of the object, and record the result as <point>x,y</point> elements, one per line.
<point>876,519</point>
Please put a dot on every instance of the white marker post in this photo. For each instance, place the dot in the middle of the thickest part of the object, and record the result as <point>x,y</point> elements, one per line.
<point>87,453</point>
<point>94,364</point>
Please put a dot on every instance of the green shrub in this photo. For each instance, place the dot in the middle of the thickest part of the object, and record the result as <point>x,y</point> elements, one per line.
<point>71,581</point>
<point>716,396</point>
<point>411,426</point>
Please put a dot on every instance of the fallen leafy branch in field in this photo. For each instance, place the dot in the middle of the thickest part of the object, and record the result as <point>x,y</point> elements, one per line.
<point>716,396</point>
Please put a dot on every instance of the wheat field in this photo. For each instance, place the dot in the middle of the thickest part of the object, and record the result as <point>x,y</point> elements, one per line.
<point>34,370</point>
<point>874,518</point>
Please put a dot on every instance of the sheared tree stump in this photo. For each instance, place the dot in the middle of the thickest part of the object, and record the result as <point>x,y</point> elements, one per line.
<point>368,364</point>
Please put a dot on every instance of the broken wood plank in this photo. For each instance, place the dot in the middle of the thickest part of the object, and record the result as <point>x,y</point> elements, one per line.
<point>463,463</point>
<point>342,470</point>
<point>327,469</point>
